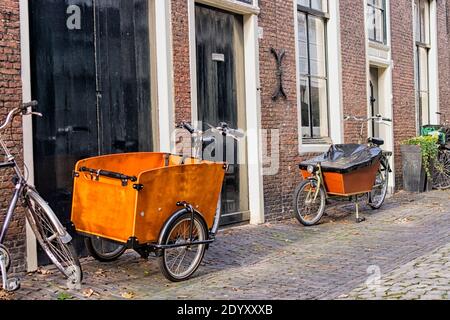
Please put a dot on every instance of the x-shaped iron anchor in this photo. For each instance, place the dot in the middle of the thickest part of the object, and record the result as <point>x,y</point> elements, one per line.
<point>280,90</point>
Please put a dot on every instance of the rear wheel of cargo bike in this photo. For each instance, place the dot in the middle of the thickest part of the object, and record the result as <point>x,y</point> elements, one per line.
<point>378,194</point>
<point>181,262</point>
<point>309,203</point>
<point>52,237</point>
<point>104,250</point>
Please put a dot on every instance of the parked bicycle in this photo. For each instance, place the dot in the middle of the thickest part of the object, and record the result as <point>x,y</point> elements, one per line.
<point>346,170</point>
<point>50,233</point>
<point>441,167</point>
<point>107,250</point>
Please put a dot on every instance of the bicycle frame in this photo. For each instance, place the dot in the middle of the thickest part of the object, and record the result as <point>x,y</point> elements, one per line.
<point>20,185</point>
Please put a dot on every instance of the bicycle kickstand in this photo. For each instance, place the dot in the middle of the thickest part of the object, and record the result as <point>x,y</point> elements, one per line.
<point>358,218</point>
<point>11,284</point>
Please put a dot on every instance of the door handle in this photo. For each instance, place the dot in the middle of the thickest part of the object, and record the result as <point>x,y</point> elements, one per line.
<point>72,129</point>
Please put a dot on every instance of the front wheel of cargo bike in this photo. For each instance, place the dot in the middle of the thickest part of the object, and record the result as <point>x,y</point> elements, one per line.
<point>180,263</point>
<point>309,205</point>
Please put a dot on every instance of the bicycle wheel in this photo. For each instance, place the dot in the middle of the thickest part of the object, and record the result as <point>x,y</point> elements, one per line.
<point>104,250</point>
<point>441,171</point>
<point>52,237</point>
<point>309,205</point>
<point>378,194</point>
<point>180,263</point>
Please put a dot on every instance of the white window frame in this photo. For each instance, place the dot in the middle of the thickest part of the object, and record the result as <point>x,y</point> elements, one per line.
<point>433,67</point>
<point>335,110</point>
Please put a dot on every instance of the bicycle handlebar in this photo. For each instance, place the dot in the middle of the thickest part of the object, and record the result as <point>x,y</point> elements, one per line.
<point>32,104</point>
<point>23,110</point>
<point>187,126</point>
<point>222,129</point>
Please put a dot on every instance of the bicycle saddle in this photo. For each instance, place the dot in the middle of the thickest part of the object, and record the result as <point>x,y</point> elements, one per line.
<point>376,141</point>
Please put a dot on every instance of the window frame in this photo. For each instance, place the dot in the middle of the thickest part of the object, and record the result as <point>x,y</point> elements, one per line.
<point>324,16</point>
<point>427,46</point>
<point>383,10</point>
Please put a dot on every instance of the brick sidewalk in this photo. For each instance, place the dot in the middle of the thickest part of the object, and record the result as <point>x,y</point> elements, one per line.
<point>280,260</point>
<point>426,278</point>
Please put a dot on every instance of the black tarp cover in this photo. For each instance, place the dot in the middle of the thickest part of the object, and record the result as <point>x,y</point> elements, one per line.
<point>345,158</point>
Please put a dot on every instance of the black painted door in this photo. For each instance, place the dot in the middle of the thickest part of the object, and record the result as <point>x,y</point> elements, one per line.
<point>220,85</point>
<point>91,75</point>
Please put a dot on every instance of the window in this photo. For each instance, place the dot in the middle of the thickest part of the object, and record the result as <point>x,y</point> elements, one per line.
<point>312,19</point>
<point>376,20</point>
<point>422,34</point>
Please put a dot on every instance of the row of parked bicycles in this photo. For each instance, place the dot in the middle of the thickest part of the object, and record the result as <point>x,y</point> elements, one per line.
<point>441,167</point>
<point>168,206</point>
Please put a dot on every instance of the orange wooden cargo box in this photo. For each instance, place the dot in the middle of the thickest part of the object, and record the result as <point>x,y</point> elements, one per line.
<point>347,184</point>
<point>125,196</point>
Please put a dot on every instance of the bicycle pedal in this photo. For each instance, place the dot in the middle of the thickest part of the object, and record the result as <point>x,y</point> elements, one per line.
<point>13,284</point>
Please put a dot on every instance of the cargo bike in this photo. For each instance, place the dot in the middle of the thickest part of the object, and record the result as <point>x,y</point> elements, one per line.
<point>155,203</point>
<point>346,171</point>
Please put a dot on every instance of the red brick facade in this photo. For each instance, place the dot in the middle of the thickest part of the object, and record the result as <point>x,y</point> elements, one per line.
<point>10,97</point>
<point>404,101</point>
<point>181,60</point>
<point>280,114</point>
<point>354,75</point>
<point>443,22</point>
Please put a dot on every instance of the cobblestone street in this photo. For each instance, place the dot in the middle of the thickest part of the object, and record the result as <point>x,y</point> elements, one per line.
<point>401,251</point>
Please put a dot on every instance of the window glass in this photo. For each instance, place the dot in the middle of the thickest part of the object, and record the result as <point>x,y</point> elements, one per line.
<point>317,46</point>
<point>423,85</point>
<point>313,75</point>
<point>424,21</point>
<point>376,20</point>
<point>319,5</point>
<point>303,43</point>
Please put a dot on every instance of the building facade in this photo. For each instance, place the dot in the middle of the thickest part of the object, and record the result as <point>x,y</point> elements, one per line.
<point>117,76</point>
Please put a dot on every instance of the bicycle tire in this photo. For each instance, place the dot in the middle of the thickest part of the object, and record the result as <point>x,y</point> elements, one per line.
<point>47,230</point>
<point>384,165</point>
<point>300,208</point>
<point>110,256</point>
<point>441,171</point>
<point>163,260</point>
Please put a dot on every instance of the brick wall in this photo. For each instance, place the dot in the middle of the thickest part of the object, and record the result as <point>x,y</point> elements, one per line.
<point>354,75</point>
<point>403,75</point>
<point>10,97</point>
<point>280,114</point>
<point>443,22</point>
<point>181,60</point>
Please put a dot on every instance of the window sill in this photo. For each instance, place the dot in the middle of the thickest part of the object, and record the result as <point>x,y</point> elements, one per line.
<point>313,148</point>
<point>379,45</point>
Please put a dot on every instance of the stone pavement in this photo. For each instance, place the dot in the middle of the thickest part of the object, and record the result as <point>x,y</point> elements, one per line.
<point>284,260</point>
<point>426,278</point>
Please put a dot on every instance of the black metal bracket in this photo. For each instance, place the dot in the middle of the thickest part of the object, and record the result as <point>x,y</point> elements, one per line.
<point>279,56</point>
<point>109,174</point>
<point>191,210</point>
<point>138,187</point>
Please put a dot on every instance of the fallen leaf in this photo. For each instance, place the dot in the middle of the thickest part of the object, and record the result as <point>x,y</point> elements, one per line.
<point>88,293</point>
<point>127,295</point>
<point>44,271</point>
